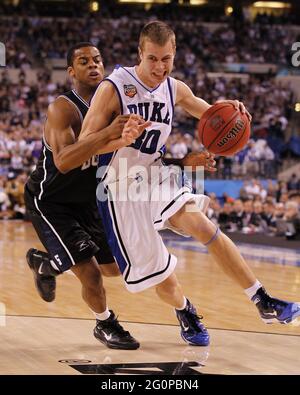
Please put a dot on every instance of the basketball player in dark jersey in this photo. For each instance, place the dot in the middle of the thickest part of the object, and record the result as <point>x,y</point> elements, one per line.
<point>60,197</point>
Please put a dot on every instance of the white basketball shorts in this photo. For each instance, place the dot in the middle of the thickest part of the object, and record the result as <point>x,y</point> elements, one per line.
<point>136,209</point>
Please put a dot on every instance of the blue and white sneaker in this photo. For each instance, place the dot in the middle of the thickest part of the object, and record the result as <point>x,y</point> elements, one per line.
<point>274,310</point>
<point>192,330</point>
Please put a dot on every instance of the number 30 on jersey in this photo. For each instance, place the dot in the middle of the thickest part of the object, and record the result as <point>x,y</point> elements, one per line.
<point>93,161</point>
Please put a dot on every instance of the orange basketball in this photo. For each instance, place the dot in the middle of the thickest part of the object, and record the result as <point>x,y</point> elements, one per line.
<point>223,130</point>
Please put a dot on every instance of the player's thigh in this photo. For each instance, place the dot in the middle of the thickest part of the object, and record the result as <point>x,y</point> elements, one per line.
<point>61,234</point>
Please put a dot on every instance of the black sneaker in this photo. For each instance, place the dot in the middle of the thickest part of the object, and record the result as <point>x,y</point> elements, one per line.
<point>112,334</point>
<point>192,330</point>
<point>44,274</point>
<point>273,310</point>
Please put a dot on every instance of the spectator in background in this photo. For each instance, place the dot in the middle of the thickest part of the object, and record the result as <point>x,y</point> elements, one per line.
<point>248,210</point>
<point>256,223</point>
<point>292,218</point>
<point>225,217</point>
<point>268,157</point>
<point>15,191</point>
<point>280,190</point>
<point>238,215</point>
<point>268,213</point>
<point>293,183</point>
<point>5,204</point>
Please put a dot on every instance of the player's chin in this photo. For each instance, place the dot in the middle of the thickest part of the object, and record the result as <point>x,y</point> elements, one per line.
<point>93,82</point>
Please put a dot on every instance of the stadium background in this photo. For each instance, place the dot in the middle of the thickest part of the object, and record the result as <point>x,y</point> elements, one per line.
<point>225,49</point>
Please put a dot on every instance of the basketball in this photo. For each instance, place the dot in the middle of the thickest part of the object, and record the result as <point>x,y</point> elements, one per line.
<point>224,130</point>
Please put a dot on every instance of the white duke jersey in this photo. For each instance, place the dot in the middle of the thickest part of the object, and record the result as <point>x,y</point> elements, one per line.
<point>155,105</point>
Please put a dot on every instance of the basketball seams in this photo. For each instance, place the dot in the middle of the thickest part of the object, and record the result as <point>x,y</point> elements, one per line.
<point>215,110</point>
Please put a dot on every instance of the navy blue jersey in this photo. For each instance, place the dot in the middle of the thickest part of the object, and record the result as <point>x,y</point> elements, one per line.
<point>46,182</point>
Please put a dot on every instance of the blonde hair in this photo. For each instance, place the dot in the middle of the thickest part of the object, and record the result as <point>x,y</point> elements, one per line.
<point>157,32</point>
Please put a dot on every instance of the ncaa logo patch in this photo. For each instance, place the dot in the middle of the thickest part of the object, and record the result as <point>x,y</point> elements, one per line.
<point>130,90</point>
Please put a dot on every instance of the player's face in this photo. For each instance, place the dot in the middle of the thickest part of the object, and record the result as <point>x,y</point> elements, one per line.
<point>156,62</point>
<point>87,66</point>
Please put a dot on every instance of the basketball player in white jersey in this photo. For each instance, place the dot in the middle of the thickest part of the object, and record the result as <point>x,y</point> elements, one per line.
<point>132,225</point>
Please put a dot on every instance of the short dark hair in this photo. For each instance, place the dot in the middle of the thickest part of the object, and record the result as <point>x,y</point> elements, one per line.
<point>70,53</point>
<point>158,32</point>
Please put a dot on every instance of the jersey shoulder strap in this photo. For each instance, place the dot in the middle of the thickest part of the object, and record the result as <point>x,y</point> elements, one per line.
<point>81,105</point>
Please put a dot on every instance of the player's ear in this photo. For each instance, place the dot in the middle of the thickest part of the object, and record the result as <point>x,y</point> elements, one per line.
<point>140,55</point>
<point>70,71</point>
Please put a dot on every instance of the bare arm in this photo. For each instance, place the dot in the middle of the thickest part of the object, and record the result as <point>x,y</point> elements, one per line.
<point>104,108</point>
<point>186,99</point>
<point>68,153</point>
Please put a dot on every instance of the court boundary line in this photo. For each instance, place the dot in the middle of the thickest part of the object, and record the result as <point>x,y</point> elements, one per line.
<point>153,323</point>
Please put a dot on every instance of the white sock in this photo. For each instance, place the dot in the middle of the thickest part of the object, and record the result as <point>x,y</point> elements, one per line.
<point>183,305</point>
<point>102,316</point>
<point>250,292</point>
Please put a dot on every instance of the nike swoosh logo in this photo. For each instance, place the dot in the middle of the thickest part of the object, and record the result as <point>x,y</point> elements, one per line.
<point>40,268</point>
<point>107,337</point>
<point>185,328</point>
<point>274,314</point>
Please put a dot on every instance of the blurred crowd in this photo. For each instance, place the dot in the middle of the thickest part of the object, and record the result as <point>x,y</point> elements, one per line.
<point>272,210</point>
<point>230,42</point>
<point>29,44</point>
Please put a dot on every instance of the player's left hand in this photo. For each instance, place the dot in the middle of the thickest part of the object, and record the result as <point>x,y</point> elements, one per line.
<point>205,159</point>
<point>133,128</point>
<point>238,105</point>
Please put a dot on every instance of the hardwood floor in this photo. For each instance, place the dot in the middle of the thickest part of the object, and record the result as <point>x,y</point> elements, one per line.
<point>36,336</point>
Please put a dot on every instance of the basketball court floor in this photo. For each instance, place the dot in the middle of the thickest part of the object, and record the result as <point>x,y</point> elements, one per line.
<point>56,338</point>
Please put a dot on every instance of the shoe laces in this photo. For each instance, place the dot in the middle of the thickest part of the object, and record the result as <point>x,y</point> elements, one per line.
<point>115,326</point>
<point>194,319</point>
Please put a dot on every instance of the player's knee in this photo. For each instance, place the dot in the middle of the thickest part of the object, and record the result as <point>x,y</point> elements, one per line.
<point>203,229</point>
<point>89,275</point>
<point>110,270</point>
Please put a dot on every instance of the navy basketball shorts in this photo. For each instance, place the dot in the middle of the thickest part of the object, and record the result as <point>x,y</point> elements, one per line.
<point>71,233</point>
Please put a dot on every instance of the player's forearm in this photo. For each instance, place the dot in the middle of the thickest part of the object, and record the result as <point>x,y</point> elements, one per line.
<point>76,154</point>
